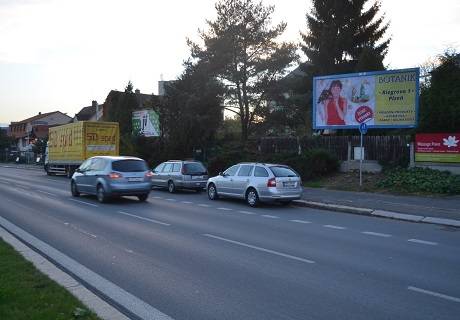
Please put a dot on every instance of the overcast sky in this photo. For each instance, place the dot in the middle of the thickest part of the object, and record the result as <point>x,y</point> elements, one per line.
<point>62,54</point>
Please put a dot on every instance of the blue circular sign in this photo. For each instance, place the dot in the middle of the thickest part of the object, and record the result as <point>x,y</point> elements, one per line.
<point>363,128</point>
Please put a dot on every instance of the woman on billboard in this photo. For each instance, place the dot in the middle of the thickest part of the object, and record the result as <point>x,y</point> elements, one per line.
<point>334,105</point>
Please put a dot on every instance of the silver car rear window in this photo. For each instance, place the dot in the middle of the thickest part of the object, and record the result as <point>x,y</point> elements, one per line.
<point>282,171</point>
<point>129,165</point>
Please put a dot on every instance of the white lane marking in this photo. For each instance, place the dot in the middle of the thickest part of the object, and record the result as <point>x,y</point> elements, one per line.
<point>83,202</point>
<point>169,199</point>
<point>143,218</point>
<point>204,205</point>
<point>300,221</point>
<point>377,234</point>
<point>225,209</point>
<point>187,202</point>
<point>48,193</point>
<point>435,294</point>
<point>87,233</point>
<point>330,226</point>
<point>129,250</point>
<point>423,242</point>
<point>156,197</point>
<point>270,216</point>
<point>246,212</point>
<point>259,248</point>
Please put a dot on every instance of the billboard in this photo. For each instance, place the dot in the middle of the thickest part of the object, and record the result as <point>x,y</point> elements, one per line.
<point>146,123</point>
<point>437,147</point>
<point>383,99</point>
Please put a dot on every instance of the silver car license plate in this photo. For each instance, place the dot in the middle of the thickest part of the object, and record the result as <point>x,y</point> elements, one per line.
<point>197,177</point>
<point>289,184</point>
<point>134,179</point>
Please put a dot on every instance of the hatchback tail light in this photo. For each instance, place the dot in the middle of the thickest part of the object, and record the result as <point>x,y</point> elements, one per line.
<point>271,182</point>
<point>115,175</point>
<point>149,174</point>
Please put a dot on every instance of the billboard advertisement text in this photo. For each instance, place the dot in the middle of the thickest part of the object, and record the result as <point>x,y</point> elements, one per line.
<point>386,99</point>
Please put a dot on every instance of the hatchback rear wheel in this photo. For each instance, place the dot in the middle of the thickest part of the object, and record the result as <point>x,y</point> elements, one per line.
<point>101,195</point>
<point>142,197</point>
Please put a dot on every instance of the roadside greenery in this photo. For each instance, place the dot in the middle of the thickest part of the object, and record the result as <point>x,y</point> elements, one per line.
<point>26,294</point>
<point>415,180</point>
<point>310,164</point>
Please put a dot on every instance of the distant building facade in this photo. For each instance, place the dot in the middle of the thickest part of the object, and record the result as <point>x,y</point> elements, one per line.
<point>26,132</point>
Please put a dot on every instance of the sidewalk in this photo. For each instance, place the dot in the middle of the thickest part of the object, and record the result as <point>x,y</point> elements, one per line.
<point>417,208</point>
<point>21,166</point>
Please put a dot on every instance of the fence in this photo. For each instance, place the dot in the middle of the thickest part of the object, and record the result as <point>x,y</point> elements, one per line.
<point>380,148</point>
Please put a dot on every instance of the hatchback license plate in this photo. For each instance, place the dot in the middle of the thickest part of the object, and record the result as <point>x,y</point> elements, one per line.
<point>289,184</point>
<point>197,177</point>
<point>134,179</point>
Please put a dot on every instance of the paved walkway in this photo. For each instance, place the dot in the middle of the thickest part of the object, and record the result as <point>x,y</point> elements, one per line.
<point>446,207</point>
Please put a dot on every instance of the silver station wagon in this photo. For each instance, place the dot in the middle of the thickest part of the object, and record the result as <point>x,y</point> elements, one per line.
<point>257,182</point>
<point>108,177</point>
<point>177,174</point>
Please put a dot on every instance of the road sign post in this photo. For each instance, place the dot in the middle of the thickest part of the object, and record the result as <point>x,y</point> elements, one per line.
<point>363,131</point>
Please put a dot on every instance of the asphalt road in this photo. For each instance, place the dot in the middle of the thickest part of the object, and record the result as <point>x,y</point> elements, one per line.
<point>192,258</point>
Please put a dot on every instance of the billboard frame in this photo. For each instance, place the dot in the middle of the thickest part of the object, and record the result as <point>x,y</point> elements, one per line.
<point>362,74</point>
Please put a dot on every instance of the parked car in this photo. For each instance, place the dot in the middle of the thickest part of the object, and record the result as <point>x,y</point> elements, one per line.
<point>257,182</point>
<point>178,174</point>
<point>112,176</point>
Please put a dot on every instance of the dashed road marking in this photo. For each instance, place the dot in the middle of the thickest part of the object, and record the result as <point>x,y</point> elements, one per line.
<point>224,209</point>
<point>270,216</point>
<point>377,234</point>
<point>143,218</point>
<point>330,226</point>
<point>423,242</point>
<point>259,248</point>
<point>157,197</point>
<point>187,202</point>
<point>245,212</point>
<point>204,205</point>
<point>48,193</point>
<point>435,294</point>
<point>300,221</point>
<point>169,199</point>
<point>83,202</point>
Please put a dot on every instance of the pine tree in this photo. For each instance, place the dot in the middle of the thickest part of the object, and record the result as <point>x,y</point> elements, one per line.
<point>344,37</point>
<point>242,49</point>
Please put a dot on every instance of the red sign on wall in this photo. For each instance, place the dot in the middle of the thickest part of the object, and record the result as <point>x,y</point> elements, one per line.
<point>437,147</point>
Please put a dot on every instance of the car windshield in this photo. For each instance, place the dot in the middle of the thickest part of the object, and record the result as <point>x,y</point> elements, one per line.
<point>129,165</point>
<point>194,168</point>
<point>281,171</point>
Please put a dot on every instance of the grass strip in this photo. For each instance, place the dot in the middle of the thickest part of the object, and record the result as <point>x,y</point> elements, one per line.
<point>26,293</point>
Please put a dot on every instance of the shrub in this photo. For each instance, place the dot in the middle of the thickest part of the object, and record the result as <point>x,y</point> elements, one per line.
<point>421,180</point>
<point>311,164</point>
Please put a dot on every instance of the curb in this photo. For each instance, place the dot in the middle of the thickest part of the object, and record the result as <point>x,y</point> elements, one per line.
<point>378,213</point>
<point>89,299</point>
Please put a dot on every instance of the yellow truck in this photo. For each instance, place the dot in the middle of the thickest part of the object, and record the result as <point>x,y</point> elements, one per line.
<point>71,144</point>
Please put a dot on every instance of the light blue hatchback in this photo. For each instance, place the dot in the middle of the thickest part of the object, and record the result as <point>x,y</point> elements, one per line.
<point>108,177</point>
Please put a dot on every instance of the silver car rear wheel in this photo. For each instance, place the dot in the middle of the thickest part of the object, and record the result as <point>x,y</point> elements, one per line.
<point>252,198</point>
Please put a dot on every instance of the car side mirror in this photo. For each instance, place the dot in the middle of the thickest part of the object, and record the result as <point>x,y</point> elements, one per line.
<point>220,173</point>
<point>78,170</point>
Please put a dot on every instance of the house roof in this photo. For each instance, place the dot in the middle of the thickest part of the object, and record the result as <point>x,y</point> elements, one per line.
<point>86,113</point>
<point>37,117</point>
